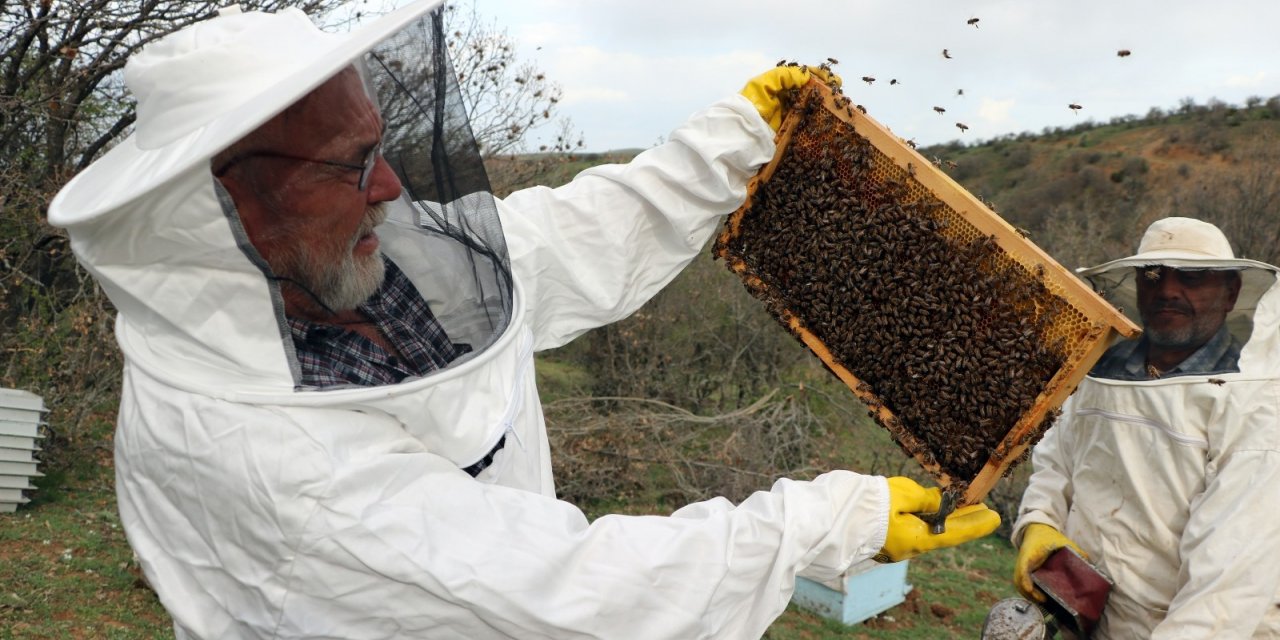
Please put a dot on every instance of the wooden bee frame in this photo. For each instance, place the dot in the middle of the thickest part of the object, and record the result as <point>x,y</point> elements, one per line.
<point>1081,329</point>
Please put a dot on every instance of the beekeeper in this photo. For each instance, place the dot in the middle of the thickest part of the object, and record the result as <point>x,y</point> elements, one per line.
<point>329,426</point>
<point>1164,467</point>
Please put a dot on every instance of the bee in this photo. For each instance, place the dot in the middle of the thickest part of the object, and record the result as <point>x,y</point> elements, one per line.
<point>1074,107</point>
<point>1152,372</point>
<point>962,127</point>
<point>950,164</point>
<point>868,79</point>
<point>1217,381</point>
<point>972,21</point>
<point>911,169</point>
<point>833,61</point>
<point>1027,234</point>
<point>911,143</point>
<point>893,81</point>
<point>781,63</point>
<point>940,110</point>
<point>861,108</point>
<point>937,162</point>
<point>960,92</point>
<point>946,54</point>
<point>1124,53</point>
<point>1152,274</point>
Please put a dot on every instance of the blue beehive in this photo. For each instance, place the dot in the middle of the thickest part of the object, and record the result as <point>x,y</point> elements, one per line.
<point>863,591</point>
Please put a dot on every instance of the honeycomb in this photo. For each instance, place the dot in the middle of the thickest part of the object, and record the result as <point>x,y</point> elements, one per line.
<point>961,336</point>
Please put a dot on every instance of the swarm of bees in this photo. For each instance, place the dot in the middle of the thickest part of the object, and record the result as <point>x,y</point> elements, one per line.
<point>928,320</point>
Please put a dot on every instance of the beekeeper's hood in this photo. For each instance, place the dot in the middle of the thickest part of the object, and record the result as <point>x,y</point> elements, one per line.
<point>151,222</point>
<point>1186,243</point>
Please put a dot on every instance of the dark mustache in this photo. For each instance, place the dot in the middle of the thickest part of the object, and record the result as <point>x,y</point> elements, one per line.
<point>1171,306</point>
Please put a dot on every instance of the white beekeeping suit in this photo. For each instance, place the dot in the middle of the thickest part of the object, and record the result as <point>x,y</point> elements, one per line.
<point>1170,485</point>
<point>263,507</point>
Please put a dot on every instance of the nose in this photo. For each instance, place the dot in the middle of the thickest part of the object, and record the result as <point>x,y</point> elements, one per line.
<point>384,184</point>
<point>1168,286</point>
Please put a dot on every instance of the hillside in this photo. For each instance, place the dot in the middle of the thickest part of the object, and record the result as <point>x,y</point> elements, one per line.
<point>1087,192</point>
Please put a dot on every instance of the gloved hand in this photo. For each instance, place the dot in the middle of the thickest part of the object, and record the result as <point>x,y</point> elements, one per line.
<point>909,536</point>
<point>763,89</point>
<point>1039,541</point>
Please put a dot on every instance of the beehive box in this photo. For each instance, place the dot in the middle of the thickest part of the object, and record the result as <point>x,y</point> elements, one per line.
<point>21,415</point>
<point>959,333</point>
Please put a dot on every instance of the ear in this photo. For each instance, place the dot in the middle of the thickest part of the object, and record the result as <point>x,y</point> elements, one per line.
<point>1233,291</point>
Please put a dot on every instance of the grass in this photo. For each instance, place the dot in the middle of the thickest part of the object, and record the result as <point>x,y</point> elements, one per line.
<point>66,570</point>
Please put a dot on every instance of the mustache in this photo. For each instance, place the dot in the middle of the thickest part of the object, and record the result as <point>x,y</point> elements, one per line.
<point>374,215</point>
<point>1180,307</point>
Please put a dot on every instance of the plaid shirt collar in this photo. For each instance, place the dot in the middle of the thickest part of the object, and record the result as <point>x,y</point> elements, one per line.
<point>1128,360</point>
<point>331,355</point>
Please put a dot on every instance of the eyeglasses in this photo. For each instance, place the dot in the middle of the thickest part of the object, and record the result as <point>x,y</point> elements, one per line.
<point>365,167</point>
<point>1186,277</point>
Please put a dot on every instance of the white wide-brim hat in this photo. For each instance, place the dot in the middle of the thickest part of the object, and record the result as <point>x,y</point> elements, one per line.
<point>204,87</point>
<point>1184,243</point>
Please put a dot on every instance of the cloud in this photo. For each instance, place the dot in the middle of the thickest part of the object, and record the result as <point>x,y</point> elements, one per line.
<point>582,95</point>
<point>996,112</point>
<point>1258,79</point>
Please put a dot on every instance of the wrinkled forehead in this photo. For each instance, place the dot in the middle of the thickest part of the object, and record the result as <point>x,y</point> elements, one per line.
<point>338,111</point>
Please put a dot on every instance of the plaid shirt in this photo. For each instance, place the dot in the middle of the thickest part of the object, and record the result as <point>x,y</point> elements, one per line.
<point>1128,360</point>
<point>332,355</point>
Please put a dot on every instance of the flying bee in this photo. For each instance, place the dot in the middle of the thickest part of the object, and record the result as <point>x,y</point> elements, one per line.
<point>868,79</point>
<point>1074,107</point>
<point>1151,274</point>
<point>972,21</point>
<point>962,127</point>
<point>893,81</point>
<point>946,54</point>
<point>940,110</point>
<point>1124,53</point>
<point>950,164</point>
<point>960,92</point>
<point>937,162</point>
<point>833,61</point>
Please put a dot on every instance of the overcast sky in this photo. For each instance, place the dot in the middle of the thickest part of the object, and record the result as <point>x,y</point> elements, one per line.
<point>632,70</point>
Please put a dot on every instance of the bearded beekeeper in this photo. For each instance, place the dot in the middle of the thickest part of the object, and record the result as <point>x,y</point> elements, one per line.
<point>1164,469</point>
<point>329,426</point>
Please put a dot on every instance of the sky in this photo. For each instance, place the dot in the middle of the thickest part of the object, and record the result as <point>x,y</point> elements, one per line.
<point>633,70</point>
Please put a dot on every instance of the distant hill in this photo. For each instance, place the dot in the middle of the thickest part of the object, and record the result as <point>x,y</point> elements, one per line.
<point>1087,192</point>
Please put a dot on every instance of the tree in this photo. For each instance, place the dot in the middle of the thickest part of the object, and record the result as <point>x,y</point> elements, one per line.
<point>508,100</point>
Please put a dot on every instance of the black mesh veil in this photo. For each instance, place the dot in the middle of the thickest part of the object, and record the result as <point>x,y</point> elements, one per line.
<point>444,231</point>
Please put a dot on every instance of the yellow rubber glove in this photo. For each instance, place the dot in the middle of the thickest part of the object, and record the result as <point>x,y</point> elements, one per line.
<point>1038,542</point>
<point>909,536</point>
<point>763,89</point>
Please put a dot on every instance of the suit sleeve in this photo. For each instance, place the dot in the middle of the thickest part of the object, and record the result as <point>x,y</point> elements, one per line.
<point>594,250</point>
<point>1047,499</point>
